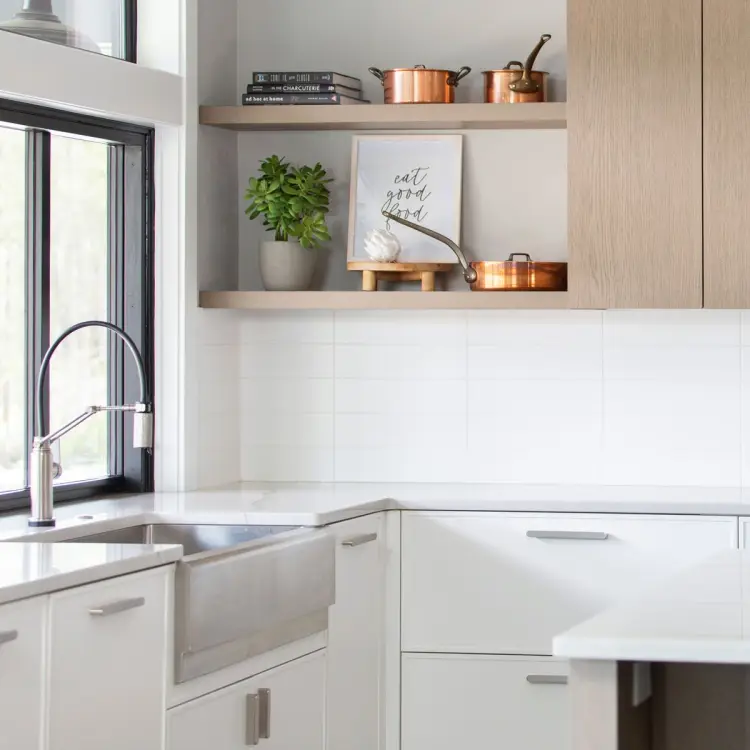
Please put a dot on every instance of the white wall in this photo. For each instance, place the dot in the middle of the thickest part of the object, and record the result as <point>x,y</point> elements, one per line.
<point>618,397</point>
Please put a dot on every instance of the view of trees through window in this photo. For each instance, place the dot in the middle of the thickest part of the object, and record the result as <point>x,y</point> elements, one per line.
<point>78,291</point>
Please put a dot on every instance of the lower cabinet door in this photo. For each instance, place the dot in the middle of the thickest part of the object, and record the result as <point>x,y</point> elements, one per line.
<point>282,709</point>
<point>479,702</point>
<point>21,674</point>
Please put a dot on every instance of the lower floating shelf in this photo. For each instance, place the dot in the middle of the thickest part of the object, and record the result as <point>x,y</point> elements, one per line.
<point>384,300</point>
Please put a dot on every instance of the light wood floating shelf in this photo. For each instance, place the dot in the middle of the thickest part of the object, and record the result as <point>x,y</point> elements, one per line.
<point>547,116</point>
<point>384,300</point>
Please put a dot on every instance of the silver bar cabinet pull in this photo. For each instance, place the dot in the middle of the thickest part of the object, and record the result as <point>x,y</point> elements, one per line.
<point>252,719</point>
<point>8,636</point>
<point>547,679</point>
<point>591,536</point>
<point>264,723</point>
<point>358,541</point>
<point>116,607</point>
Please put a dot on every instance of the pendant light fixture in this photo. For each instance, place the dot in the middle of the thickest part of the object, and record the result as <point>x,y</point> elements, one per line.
<point>37,19</point>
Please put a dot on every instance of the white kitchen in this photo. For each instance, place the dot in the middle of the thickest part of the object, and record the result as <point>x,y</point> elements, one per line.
<point>278,471</point>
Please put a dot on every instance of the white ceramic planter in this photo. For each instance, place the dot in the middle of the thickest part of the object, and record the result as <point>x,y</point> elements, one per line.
<point>286,266</point>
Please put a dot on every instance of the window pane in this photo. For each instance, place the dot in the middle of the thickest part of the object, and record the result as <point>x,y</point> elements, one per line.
<point>12,303</point>
<point>78,291</point>
<point>94,25</point>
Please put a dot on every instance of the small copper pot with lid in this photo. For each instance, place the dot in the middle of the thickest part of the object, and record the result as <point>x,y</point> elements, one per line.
<point>517,83</point>
<point>419,85</point>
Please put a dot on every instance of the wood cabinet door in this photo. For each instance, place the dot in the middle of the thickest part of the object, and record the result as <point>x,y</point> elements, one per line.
<point>22,656</point>
<point>635,152</point>
<point>108,654</point>
<point>726,154</point>
<point>356,628</point>
<point>282,709</point>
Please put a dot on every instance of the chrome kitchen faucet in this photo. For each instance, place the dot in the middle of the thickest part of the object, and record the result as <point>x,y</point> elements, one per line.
<point>42,467</point>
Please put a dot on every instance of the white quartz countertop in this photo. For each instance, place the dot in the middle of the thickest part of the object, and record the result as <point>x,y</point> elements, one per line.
<point>299,504</point>
<point>700,615</point>
<point>31,569</point>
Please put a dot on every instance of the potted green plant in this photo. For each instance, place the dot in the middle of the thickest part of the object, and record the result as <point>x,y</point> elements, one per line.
<point>293,202</point>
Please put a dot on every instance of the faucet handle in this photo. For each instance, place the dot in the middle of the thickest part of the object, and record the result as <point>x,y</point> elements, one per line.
<point>143,427</point>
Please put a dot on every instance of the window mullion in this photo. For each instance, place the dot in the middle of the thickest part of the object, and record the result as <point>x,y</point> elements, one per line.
<point>130,26</point>
<point>38,210</point>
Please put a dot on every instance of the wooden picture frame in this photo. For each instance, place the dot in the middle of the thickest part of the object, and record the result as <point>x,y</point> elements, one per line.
<point>426,189</point>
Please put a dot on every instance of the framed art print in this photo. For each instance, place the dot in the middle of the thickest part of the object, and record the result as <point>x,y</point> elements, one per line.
<point>417,177</point>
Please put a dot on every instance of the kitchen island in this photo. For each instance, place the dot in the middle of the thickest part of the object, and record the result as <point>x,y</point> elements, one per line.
<point>669,669</point>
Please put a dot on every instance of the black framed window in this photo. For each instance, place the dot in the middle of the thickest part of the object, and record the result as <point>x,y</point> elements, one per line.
<point>76,217</point>
<point>107,27</point>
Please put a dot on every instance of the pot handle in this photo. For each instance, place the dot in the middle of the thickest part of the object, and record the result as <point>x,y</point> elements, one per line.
<point>514,64</point>
<point>454,78</point>
<point>522,255</point>
<point>378,73</point>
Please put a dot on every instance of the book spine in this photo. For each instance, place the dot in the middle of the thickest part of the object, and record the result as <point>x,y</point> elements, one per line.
<point>291,88</point>
<point>252,99</point>
<point>293,77</point>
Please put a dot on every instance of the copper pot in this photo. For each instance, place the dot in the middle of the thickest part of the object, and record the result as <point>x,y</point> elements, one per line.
<point>520,276</point>
<point>419,85</point>
<point>517,82</point>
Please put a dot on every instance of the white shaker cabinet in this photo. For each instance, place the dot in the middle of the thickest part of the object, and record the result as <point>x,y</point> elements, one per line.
<point>22,662</point>
<point>356,628</point>
<point>107,676</point>
<point>484,702</point>
<point>507,583</point>
<point>282,709</point>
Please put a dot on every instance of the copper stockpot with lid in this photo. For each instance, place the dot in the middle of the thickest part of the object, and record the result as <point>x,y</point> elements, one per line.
<point>517,83</point>
<point>419,85</point>
<point>501,275</point>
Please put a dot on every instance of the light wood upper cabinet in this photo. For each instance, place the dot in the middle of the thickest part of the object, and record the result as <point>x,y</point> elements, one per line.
<point>726,154</point>
<point>634,129</point>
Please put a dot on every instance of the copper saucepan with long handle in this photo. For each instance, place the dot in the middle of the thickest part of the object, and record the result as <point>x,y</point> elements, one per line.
<point>504,275</point>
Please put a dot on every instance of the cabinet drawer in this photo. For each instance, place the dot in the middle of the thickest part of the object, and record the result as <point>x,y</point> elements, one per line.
<point>282,709</point>
<point>22,649</point>
<point>454,701</point>
<point>107,678</point>
<point>508,583</point>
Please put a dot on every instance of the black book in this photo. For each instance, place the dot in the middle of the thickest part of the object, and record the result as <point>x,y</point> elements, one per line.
<point>254,99</point>
<point>337,79</point>
<point>301,88</point>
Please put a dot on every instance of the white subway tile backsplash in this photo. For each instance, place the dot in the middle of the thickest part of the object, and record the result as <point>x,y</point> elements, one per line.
<point>672,363</point>
<point>621,397</point>
<point>535,362</point>
<point>288,327</point>
<point>271,360</point>
<point>266,397</point>
<point>438,362</point>
<point>399,396</point>
<point>271,463</point>
<point>423,432</point>
<point>287,430</point>
<point>672,328</point>
<point>520,329</point>
<point>218,449</point>
<point>423,328</point>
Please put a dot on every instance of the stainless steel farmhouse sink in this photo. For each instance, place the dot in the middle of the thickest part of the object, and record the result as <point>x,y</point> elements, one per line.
<point>239,590</point>
<point>194,537</point>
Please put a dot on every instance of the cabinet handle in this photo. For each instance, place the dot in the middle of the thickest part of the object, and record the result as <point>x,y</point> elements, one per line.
<point>590,536</point>
<point>8,636</point>
<point>358,541</point>
<point>264,704</point>
<point>252,719</point>
<point>547,679</point>
<point>116,607</point>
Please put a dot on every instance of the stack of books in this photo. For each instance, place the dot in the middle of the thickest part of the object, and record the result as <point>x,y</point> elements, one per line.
<point>303,88</point>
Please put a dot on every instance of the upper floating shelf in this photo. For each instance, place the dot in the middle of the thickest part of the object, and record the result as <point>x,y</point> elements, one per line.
<point>547,116</point>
